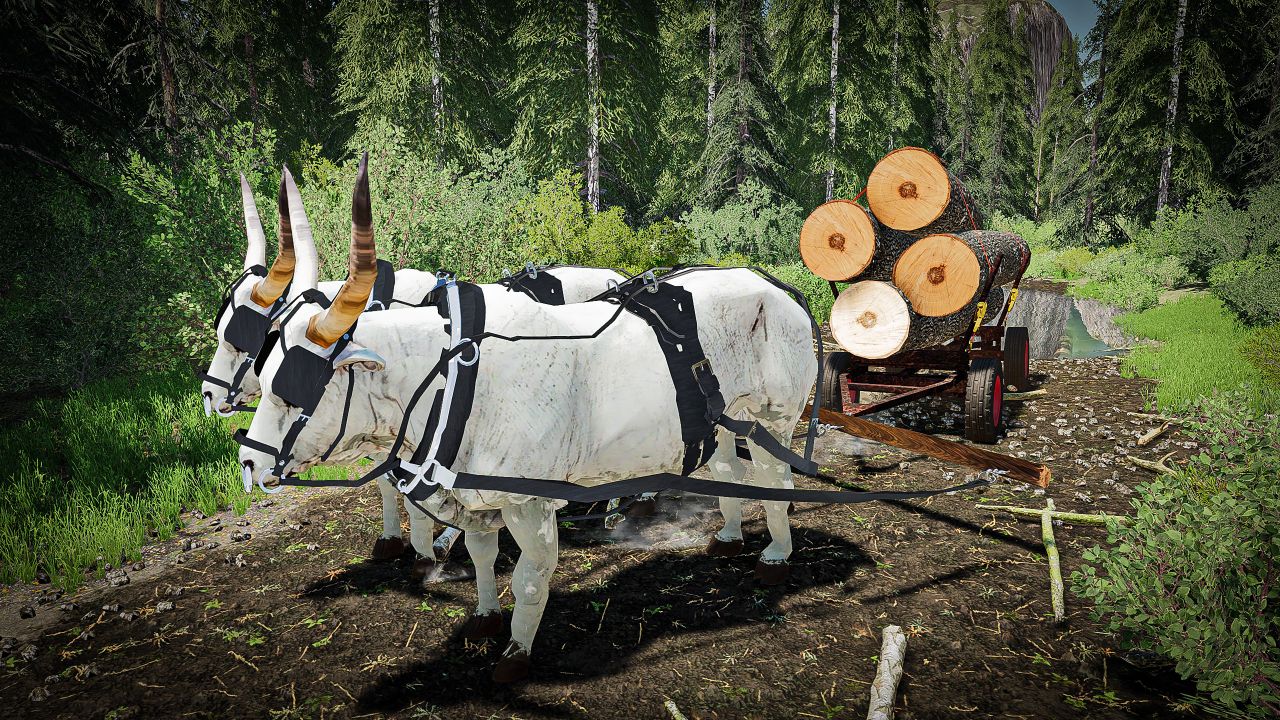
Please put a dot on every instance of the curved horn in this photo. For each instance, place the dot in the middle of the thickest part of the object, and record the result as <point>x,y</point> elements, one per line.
<point>306,272</point>
<point>362,270</point>
<point>256,254</point>
<point>269,290</point>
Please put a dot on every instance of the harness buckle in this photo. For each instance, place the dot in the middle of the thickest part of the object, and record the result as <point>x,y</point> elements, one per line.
<point>440,475</point>
<point>475,352</point>
<point>531,269</point>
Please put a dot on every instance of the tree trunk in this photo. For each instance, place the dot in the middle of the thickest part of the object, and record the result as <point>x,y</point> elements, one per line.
<point>944,273</point>
<point>910,189</point>
<point>437,85</point>
<point>1093,133</point>
<point>711,68</point>
<point>593,103</point>
<point>1171,110</point>
<point>831,109</point>
<point>894,87</point>
<point>168,86</point>
<point>251,67</point>
<point>744,128</point>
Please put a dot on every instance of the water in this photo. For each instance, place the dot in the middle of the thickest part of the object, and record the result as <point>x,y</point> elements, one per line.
<point>1064,327</point>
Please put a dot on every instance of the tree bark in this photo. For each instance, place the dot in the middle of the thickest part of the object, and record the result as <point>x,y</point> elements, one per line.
<point>831,110</point>
<point>744,128</point>
<point>893,649</point>
<point>168,85</point>
<point>894,87</point>
<point>1093,133</point>
<point>1055,566</point>
<point>1171,110</point>
<point>437,85</point>
<point>711,67</point>
<point>251,67</point>
<point>593,104</point>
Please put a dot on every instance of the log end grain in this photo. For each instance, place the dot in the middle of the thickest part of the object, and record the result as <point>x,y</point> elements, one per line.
<point>939,274</point>
<point>871,319</point>
<point>838,240</point>
<point>909,188</point>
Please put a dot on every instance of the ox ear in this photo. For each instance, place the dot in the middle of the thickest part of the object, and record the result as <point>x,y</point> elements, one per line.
<point>362,358</point>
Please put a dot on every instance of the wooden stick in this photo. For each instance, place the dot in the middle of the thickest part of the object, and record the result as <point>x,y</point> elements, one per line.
<point>967,455</point>
<point>674,711</point>
<point>1039,392</point>
<point>893,648</point>
<point>1158,466</point>
<point>1055,567</point>
<point>1145,440</point>
<point>1080,518</point>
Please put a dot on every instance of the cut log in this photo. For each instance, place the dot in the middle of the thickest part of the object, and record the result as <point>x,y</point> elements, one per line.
<point>873,320</point>
<point>1066,517</point>
<point>943,273</point>
<point>1018,469</point>
<point>910,189</point>
<point>840,241</point>
<point>893,650</point>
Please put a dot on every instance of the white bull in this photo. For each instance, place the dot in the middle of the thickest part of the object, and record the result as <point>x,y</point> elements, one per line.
<point>297,252</point>
<point>583,411</point>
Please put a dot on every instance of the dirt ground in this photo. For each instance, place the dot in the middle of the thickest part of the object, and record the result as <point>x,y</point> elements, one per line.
<point>293,622</point>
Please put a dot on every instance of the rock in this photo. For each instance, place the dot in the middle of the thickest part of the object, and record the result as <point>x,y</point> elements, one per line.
<point>42,577</point>
<point>28,652</point>
<point>138,566</point>
<point>7,643</point>
<point>118,578</point>
<point>89,616</point>
<point>237,561</point>
<point>198,515</point>
<point>187,545</point>
<point>113,607</point>
<point>164,606</point>
<point>39,694</point>
<point>239,536</point>
<point>128,616</point>
<point>26,612</point>
<point>53,679</point>
<point>173,590</point>
<point>955,645</point>
<point>242,523</point>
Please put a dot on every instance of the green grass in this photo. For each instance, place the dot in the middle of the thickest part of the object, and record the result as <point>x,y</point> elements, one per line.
<point>110,467</point>
<point>1199,354</point>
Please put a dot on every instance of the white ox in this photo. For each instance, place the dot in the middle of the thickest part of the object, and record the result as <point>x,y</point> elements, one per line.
<point>583,411</point>
<point>296,253</point>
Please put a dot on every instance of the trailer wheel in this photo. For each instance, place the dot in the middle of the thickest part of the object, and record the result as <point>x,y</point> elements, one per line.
<point>983,400</point>
<point>1017,358</point>
<point>833,365</point>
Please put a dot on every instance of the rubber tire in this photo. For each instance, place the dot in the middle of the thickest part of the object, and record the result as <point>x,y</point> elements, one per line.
<point>833,365</point>
<point>984,401</point>
<point>1017,358</point>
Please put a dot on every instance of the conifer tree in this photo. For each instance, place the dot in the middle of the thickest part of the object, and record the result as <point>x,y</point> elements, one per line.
<point>1061,139</point>
<point>1002,99</point>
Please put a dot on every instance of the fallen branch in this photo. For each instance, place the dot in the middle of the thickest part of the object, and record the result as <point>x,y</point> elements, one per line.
<point>1026,395</point>
<point>1055,567</point>
<point>674,711</point>
<point>967,455</point>
<point>885,688</point>
<point>1157,432</point>
<point>1158,466</point>
<point>1069,517</point>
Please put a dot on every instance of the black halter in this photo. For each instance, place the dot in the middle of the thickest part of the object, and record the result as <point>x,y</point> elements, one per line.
<point>246,332</point>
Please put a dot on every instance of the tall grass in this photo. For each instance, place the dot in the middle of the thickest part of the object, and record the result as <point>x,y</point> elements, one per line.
<point>1199,354</point>
<point>101,471</point>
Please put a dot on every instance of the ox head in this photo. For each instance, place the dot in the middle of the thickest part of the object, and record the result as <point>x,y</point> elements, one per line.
<point>313,349</point>
<point>251,303</point>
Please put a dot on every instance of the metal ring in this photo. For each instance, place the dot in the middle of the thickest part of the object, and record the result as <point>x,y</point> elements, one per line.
<point>475,348</point>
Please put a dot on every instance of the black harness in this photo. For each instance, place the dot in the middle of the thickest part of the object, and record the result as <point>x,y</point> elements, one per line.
<point>249,329</point>
<point>534,281</point>
<point>669,311</point>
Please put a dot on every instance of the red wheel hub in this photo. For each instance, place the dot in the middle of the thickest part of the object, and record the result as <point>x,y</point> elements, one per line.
<point>997,396</point>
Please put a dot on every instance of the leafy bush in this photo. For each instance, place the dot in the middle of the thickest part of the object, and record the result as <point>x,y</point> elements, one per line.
<point>1038,235</point>
<point>1043,263</point>
<point>1262,350</point>
<point>1070,263</point>
<point>755,223</point>
<point>1250,288</point>
<point>1196,575</point>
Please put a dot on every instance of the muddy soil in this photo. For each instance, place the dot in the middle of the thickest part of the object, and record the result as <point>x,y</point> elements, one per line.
<point>294,622</point>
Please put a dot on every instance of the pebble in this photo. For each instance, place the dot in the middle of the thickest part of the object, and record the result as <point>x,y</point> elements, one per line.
<point>89,616</point>
<point>138,566</point>
<point>8,643</point>
<point>239,536</point>
<point>113,607</point>
<point>173,590</point>
<point>128,616</point>
<point>28,652</point>
<point>187,545</point>
<point>242,523</point>
<point>237,561</point>
<point>164,606</point>
<point>26,612</point>
<point>53,679</point>
<point>40,694</point>
<point>118,578</point>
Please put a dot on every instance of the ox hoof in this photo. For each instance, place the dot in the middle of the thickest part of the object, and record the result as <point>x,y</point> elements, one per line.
<point>643,507</point>
<point>482,627</point>
<point>772,573</point>
<point>387,548</point>
<point>512,668</point>
<point>721,548</point>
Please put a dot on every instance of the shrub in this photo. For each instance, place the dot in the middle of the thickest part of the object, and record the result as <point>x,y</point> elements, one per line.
<point>1262,350</point>
<point>1043,263</point>
<point>1038,235</point>
<point>1196,575</point>
<point>1250,288</point>
<point>1070,263</point>
<point>817,291</point>
<point>755,223</point>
